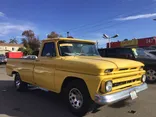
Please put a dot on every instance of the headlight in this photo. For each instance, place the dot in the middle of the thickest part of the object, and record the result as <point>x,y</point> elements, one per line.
<point>108,86</point>
<point>108,70</point>
<point>143,79</point>
<point>141,68</point>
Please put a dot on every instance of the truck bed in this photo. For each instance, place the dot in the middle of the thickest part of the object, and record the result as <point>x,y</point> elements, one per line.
<point>19,64</point>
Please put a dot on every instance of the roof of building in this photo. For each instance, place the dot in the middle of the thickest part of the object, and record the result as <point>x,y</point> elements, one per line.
<point>11,44</point>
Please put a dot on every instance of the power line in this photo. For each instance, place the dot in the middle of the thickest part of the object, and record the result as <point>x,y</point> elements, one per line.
<point>100,21</point>
<point>123,22</point>
<point>113,20</point>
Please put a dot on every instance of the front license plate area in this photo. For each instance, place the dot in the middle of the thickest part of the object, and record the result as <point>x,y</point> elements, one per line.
<point>133,95</point>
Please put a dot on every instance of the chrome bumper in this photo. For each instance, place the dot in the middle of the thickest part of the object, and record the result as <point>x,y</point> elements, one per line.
<point>115,97</point>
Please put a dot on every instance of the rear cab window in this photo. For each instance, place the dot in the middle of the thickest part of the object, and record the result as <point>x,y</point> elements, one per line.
<point>110,52</point>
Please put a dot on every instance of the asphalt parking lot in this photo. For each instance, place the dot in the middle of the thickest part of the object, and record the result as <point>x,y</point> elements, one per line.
<point>38,103</point>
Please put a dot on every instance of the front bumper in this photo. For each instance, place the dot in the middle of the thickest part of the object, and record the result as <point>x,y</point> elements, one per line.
<point>115,97</point>
<point>2,61</point>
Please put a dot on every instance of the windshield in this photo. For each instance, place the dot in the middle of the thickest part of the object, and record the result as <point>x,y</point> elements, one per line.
<point>70,48</point>
<point>149,48</point>
<point>154,53</point>
<point>1,55</point>
<point>139,52</point>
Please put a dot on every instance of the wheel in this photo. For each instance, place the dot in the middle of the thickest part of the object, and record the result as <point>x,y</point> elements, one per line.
<point>78,98</point>
<point>19,84</point>
<point>151,75</point>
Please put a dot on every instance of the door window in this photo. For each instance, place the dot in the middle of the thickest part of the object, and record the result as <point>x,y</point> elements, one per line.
<point>49,50</point>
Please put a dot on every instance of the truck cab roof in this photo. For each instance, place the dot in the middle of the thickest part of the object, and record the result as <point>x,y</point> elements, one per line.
<point>66,39</point>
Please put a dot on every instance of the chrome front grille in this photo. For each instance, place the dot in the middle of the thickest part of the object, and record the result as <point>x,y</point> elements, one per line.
<point>124,69</point>
<point>127,78</point>
<point>124,79</point>
<point>133,68</point>
<point>126,82</point>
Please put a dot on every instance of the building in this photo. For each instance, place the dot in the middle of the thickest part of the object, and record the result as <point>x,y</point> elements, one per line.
<point>142,42</point>
<point>7,47</point>
<point>147,42</point>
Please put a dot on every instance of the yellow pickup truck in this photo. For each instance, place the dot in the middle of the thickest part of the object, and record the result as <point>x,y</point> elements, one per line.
<point>74,68</point>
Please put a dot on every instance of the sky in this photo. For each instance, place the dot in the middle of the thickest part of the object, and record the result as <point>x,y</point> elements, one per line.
<point>85,19</point>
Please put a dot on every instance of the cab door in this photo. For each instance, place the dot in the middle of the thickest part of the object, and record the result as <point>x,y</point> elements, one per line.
<point>44,70</point>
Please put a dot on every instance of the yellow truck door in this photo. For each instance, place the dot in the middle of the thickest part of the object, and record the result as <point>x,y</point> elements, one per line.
<point>44,69</point>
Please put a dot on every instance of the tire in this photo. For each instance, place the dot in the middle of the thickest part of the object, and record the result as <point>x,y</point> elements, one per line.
<point>151,75</point>
<point>78,98</point>
<point>19,84</point>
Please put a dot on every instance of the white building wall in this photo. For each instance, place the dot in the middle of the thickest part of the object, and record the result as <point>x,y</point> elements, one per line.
<point>4,49</point>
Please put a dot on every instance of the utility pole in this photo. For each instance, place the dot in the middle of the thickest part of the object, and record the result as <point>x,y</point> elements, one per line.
<point>97,44</point>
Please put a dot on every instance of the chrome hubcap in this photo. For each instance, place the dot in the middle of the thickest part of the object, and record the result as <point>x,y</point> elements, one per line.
<point>75,98</point>
<point>17,82</point>
<point>151,75</point>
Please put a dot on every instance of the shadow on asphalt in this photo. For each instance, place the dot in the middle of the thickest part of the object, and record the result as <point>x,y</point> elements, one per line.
<point>33,103</point>
<point>121,104</point>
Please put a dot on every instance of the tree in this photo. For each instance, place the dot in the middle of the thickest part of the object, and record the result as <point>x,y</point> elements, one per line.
<point>29,34</point>
<point>53,35</point>
<point>34,44</point>
<point>35,52</point>
<point>14,40</point>
<point>21,49</point>
<point>2,41</point>
<point>30,42</point>
<point>26,51</point>
<point>25,42</point>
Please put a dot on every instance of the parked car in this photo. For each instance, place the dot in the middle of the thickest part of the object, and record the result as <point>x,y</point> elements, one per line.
<point>149,48</point>
<point>3,59</point>
<point>75,69</point>
<point>151,53</point>
<point>137,54</point>
<point>30,57</point>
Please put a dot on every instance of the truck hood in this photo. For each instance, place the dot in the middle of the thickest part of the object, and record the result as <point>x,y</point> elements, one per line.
<point>94,65</point>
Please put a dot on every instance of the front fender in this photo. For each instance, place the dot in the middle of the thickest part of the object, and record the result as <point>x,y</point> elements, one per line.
<point>92,82</point>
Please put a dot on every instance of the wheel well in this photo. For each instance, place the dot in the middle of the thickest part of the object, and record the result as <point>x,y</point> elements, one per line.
<point>148,68</point>
<point>14,72</point>
<point>69,79</point>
